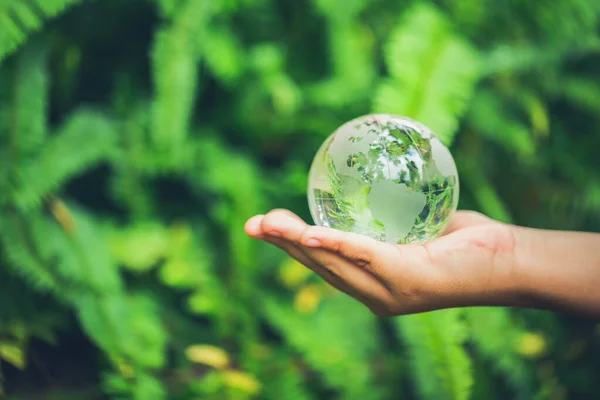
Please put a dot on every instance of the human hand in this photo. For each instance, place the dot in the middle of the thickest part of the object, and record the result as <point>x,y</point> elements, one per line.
<point>473,263</point>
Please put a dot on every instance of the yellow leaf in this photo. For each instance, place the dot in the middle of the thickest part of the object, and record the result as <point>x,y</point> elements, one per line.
<point>242,381</point>
<point>208,355</point>
<point>12,354</point>
<point>292,273</point>
<point>531,344</point>
<point>538,115</point>
<point>63,216</point>
<point>307,299</point>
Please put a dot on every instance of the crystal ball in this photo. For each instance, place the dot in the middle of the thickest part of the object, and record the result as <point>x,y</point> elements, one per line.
<point>384,176</point>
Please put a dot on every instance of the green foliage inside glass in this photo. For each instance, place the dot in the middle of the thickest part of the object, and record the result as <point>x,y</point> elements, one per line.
<point>136,138</point>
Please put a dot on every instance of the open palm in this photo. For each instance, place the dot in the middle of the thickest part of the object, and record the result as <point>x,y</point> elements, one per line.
<point>470,262</point>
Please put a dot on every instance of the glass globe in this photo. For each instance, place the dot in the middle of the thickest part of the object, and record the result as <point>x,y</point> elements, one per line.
<point>384,176</point>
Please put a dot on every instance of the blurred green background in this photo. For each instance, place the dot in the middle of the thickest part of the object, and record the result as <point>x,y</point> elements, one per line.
<point>136,138</point>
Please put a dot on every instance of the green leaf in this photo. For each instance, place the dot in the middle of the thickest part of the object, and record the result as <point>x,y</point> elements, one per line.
<point>440,365</point>
<point>30,97</point>
<point>352,63</point>
<point>103,319</point>
<point>519,58</point>
<point>483,189</point>
<point>19,18</point>
<point>21,242</point>
<point>494,333</point>
<point>338,340</point>
<point>284,380</point>
<point>432,72</point>
<point>175,79</point>
<point>140,246</point>
<point>12,354</point>
<point>224,55</point>
<point>148,387</point>
<point>86,139</point>
<point>175,56</point>
<point>491,118</point>
<point>341,9</point>
<point>583,93</point>
<point>562,21</point>
<point>148,335</point>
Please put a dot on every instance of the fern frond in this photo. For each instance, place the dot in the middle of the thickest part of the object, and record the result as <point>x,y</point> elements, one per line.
<point>441,368</point>
<point>490,117</point>
<point>168,8</point>
<point>513,58</point>
<point>175,78</point>
<point>127,327</point>
<point>584,93</point>
<point>102,319</point>
<point>432,72</point>
<point>239,183</point>
<point>338,346</point>
<point>341,9</point>
<point>483,189</point>
<point>140,246</point>
<point>19,18</point>
<point>223,54</point>
<point>353,65</point>
<point>25,312</point>
<point>148,387</point>
<point>285,380</point>
<point>350,45</point>
<point>133,163</point>
<point>30,98</point>
<point>55,260</point>
<point>268,62</point>
<point>19,242</point>
<point>562,21</point>
<point>494,333</point>
<point>175,56</point>
<point>146,347</point>
<point>85,140</point>
<point>83,252</point>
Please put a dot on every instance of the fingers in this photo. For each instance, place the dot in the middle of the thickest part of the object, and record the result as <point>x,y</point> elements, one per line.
<point>283,223</point>
<point>254,229</point>
<point>348,274</point>
<point>353,277</point>
<point>358,249</point>
<point>254,226</point>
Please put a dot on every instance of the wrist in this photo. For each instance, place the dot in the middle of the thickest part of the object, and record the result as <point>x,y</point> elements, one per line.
<point>508,283</point>
<point>505,280</point>
<point>483,268</point>
<point>557,270</point>
<point>523,275</point>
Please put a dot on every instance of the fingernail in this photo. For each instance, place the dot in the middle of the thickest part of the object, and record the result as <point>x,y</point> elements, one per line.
<point>313,243</point>
<point>274,233</point>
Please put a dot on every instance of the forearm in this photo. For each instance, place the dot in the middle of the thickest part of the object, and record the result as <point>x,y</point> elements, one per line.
<point>559,270</point>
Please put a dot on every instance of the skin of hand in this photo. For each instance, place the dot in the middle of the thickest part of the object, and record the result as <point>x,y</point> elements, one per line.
<point>476,262</point>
